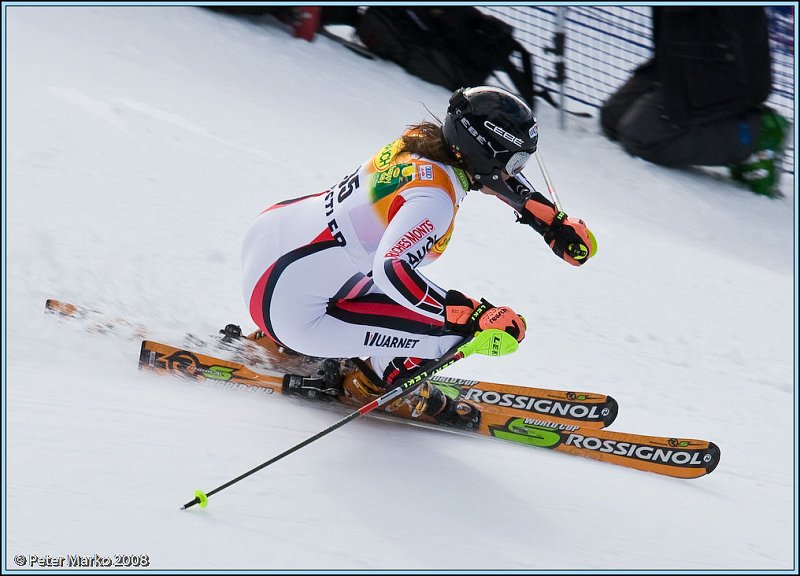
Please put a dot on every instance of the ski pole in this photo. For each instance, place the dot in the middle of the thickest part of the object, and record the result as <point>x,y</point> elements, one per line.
<point>491,342</point>
<point>554,197</point>
<point>550,189</point>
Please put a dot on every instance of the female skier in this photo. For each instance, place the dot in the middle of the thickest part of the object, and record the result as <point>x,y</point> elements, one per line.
<point>335,274</point>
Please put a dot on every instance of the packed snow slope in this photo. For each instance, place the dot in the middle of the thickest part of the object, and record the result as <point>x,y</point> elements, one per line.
<point>142,141</point>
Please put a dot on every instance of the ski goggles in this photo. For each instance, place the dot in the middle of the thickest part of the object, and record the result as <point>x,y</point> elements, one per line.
<point>517,163</point>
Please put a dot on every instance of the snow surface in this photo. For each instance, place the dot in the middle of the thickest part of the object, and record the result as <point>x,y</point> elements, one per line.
<point>142,141</point>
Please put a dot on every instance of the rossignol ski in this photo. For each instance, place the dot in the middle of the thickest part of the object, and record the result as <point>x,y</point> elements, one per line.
<point>267,367</point>
<point>563,421</point>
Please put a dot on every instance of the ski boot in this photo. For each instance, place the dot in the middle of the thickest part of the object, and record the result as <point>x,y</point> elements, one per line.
<point>431,401</point>
<point>362,385</point>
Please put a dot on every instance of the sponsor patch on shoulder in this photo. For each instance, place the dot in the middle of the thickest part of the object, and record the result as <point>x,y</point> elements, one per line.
<point>425,172</point>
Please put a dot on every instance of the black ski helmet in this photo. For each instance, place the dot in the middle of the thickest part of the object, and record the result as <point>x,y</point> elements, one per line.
<point>491,131</point>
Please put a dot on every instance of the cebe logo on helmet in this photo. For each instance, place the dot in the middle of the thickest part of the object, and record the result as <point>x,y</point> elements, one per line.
<point>492,132</point>
<point>507,135</point>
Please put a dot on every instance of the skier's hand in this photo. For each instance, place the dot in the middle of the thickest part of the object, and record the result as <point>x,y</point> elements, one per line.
<point>570,239</point>
<point>467,316</point>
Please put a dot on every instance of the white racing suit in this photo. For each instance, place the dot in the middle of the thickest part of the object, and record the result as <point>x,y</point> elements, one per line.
<point>335,274</point>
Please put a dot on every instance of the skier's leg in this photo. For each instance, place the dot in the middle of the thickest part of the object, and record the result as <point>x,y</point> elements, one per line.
<point>321,306</point>
<point>306,295</point>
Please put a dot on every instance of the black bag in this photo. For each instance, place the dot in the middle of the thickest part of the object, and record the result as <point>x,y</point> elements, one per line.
<point>453,47</point>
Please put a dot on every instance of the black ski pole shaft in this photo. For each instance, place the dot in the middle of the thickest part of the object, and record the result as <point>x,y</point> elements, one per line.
<point>491,342</point>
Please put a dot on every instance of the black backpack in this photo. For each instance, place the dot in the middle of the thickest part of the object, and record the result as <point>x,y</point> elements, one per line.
<point>454,47</point>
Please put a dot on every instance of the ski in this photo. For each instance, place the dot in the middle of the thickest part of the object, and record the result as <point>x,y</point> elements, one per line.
<point>590,410</point>
<point>568,422</point>
<point>582,408</point>
<point>670,456</point>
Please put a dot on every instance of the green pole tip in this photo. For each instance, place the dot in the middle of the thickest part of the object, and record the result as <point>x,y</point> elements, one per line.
<point>201,497</point>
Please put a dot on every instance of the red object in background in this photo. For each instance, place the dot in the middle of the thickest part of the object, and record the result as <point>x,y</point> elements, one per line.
<point>305,21</point>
